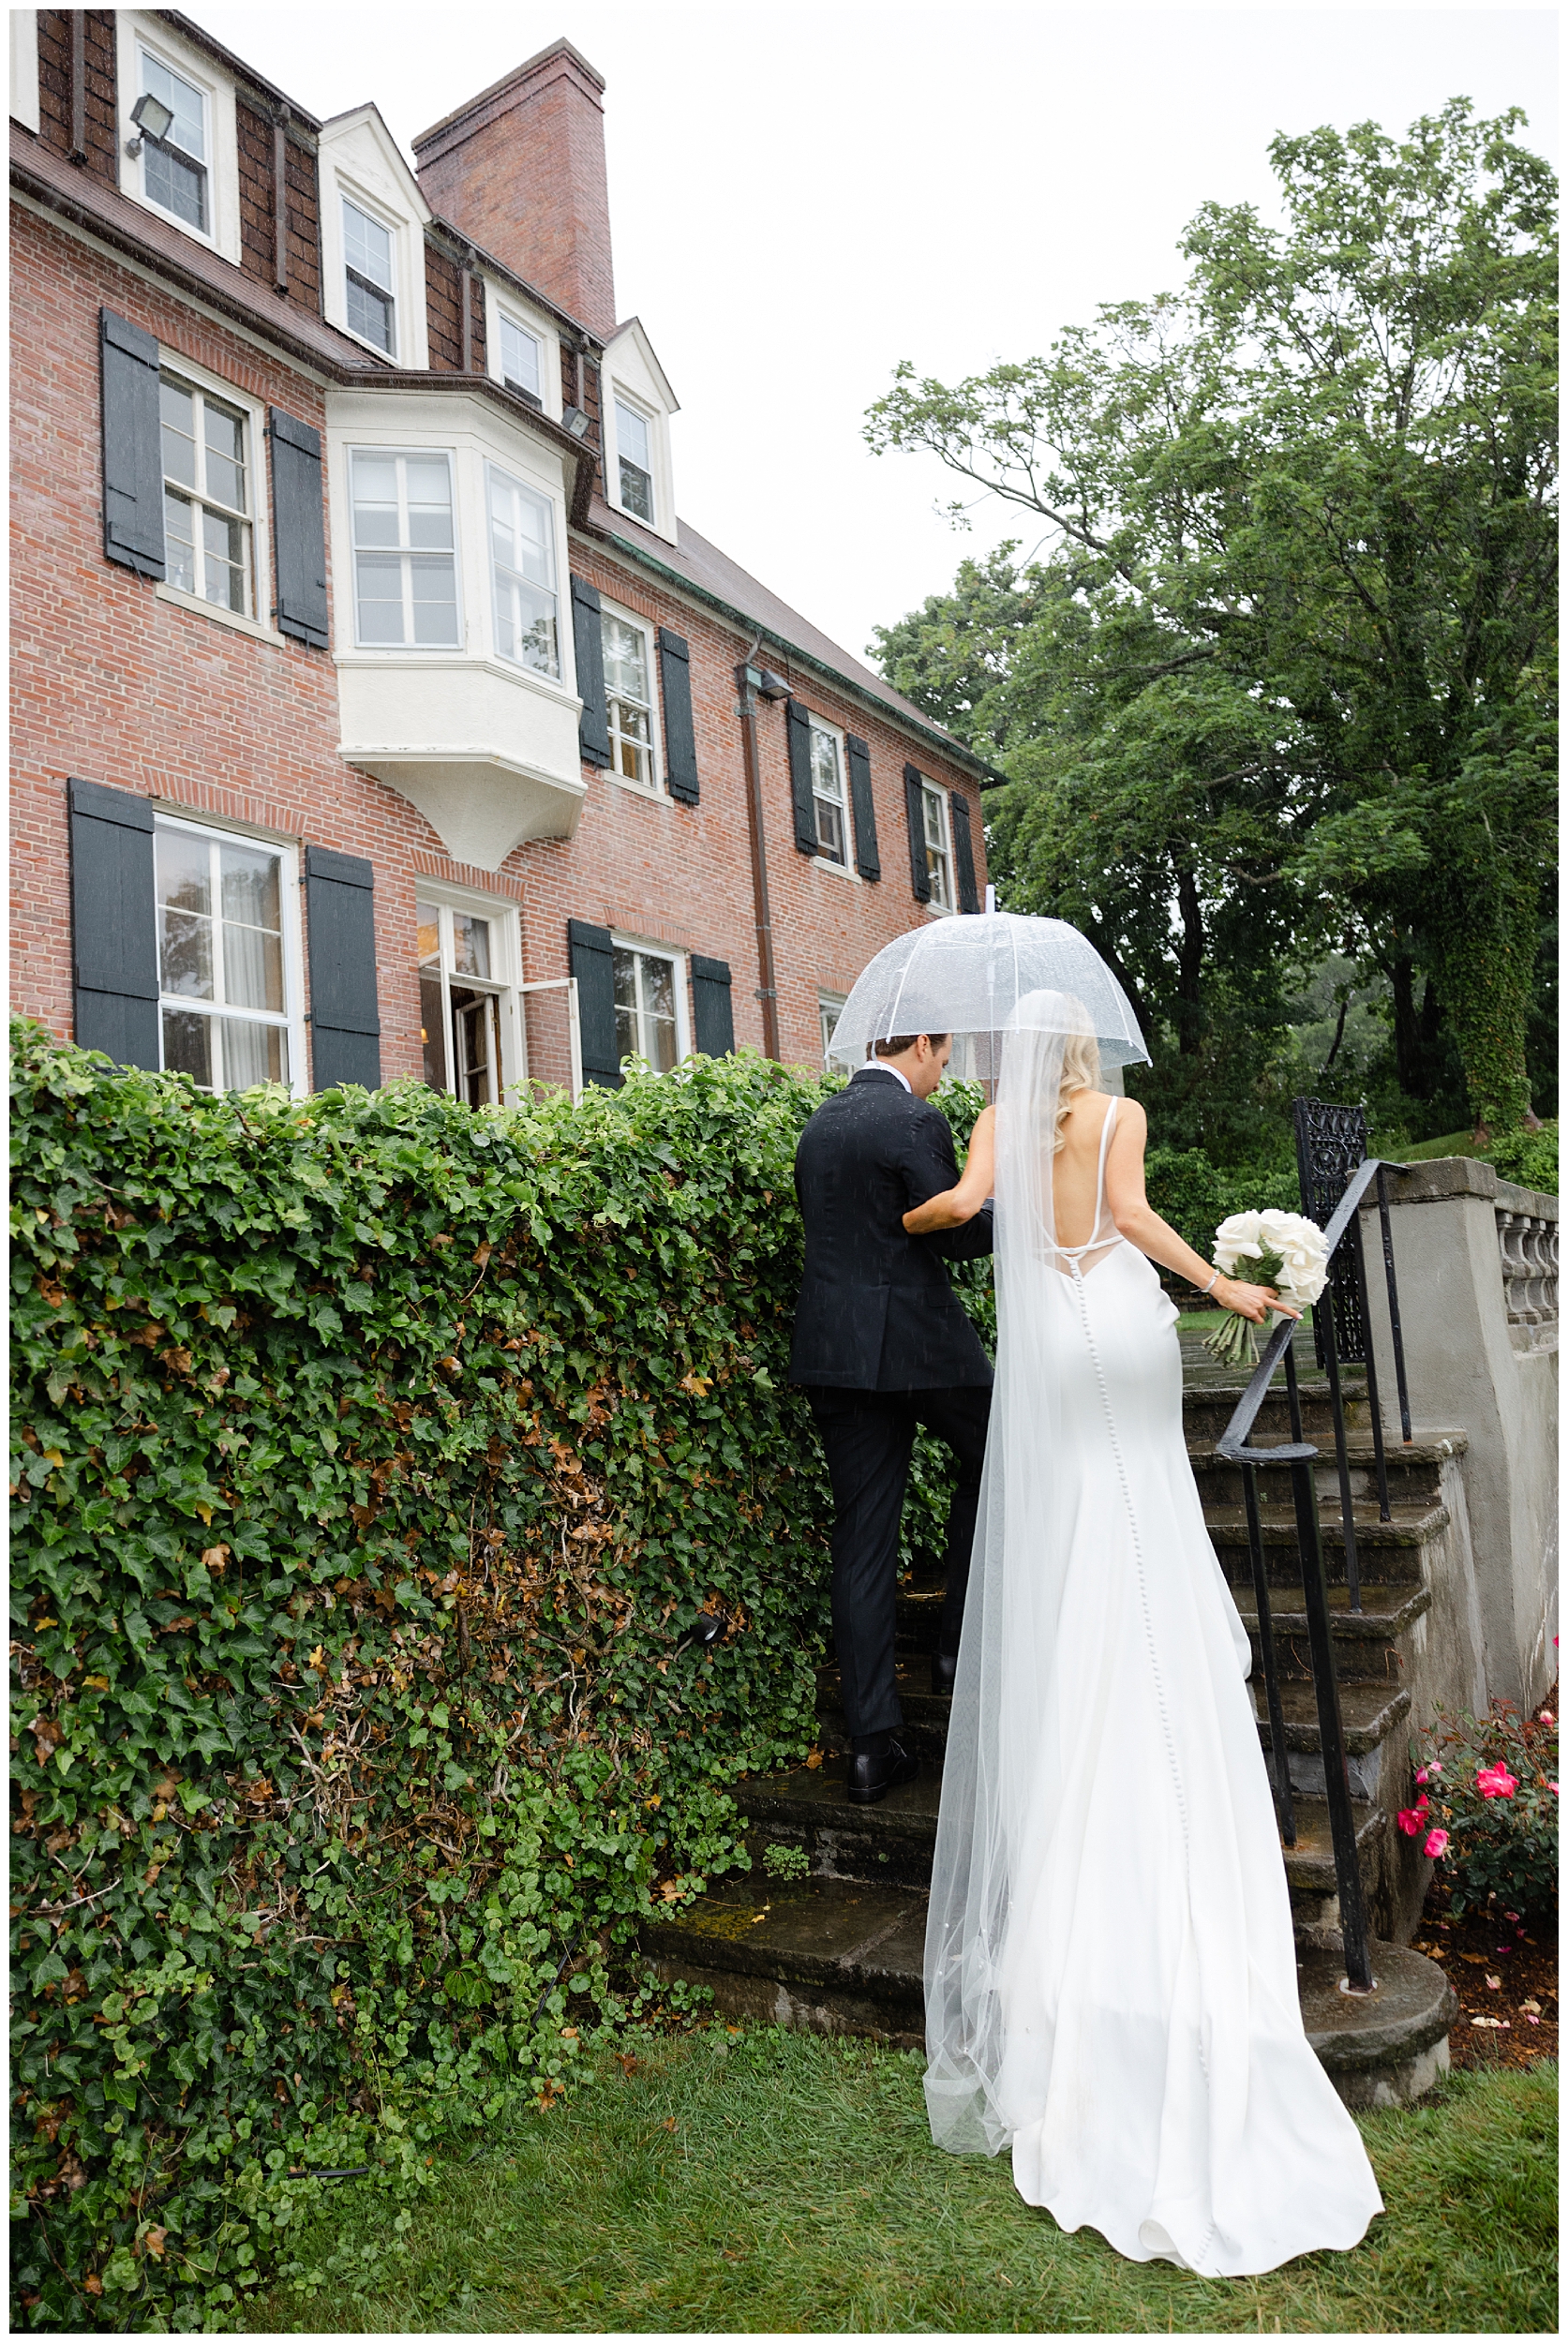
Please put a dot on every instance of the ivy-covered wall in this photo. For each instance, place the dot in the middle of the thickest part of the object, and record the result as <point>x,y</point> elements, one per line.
<point>374,1463</point>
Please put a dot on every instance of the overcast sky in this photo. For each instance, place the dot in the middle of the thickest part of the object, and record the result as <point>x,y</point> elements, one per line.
<point>802,197</point>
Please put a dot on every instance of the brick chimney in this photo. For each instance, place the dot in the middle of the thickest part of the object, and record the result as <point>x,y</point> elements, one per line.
<point>521,170</point>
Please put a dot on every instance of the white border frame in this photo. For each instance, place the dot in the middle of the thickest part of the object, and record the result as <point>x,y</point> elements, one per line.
<point>346,189</point>
<point>499,303</point>
<point>293,946</point>
<point>136,30</point>
<point>257,457</point>
<point>623,942</point>
<point>505,919</point>
<point>659,794</point>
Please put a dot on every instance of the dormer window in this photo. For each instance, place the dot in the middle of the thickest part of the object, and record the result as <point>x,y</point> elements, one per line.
<point>521,360</point>
<point>369,281</point>
<point>633,447</point>
<point>174,165</point>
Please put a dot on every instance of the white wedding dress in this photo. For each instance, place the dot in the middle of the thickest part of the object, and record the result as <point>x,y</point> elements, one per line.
<point>1110,1982</point>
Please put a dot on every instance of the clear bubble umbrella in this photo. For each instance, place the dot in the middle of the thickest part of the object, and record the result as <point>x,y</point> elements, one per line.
<point>966,976</point>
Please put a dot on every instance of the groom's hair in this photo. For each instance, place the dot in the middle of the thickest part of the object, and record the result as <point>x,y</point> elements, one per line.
<point>897,1043</point>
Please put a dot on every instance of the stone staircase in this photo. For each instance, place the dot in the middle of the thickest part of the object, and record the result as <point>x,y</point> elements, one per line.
<point>827,1930</point>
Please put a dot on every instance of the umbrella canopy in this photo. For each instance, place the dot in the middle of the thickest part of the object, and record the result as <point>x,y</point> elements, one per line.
<point>966,976</point>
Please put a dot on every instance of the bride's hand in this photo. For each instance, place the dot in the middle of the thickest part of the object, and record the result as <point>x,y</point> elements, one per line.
<point>1253,1302</point>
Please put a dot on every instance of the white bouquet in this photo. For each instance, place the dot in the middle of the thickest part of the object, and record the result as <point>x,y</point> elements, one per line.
<point>1267,1248</point>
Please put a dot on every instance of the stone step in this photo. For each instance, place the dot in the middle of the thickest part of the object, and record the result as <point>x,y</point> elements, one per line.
<point>1388,1551</point>
<point>1207,1408</point>
<point>832,1956</point>
<point>891,1844</point>
<point>1364,1643</point>
<point>1415,1473</point>
<point>1372,1717</point>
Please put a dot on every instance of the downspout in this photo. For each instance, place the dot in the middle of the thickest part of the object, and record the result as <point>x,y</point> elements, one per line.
<point>747,678</point>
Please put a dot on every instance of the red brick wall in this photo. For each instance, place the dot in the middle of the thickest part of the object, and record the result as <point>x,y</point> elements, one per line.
<point>116,685</point>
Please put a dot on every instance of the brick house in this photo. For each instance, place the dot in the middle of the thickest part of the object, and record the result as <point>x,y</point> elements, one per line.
<point>373,713</point>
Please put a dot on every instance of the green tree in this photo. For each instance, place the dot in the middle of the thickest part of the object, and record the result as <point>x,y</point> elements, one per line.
<point>1318,485</point>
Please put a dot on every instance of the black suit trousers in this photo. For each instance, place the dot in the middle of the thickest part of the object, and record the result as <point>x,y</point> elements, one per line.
<point>867,1437</point>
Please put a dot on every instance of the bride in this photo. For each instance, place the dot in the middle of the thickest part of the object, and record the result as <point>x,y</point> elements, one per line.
<point>1110,1971</point>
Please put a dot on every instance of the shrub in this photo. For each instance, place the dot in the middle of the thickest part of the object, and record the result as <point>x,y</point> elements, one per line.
<point>1490,1785</point>
<point>1529,1159</point>
<point>375,1462</point>
<point>1195,1195</point>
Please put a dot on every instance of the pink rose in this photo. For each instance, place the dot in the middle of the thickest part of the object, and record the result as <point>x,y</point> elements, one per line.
<point>1413,1820</point>
<point>1547,1717</point>
<point>1437,1843</point>
<point>1496,1781</point>
<point>1421,1775</point>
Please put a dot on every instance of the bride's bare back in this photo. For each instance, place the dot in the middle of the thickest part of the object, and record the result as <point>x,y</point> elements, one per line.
<point>1075,1168</point>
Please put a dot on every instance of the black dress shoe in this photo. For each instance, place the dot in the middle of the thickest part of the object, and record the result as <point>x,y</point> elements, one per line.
<point>872,1778</point>
<point>944,1668</point>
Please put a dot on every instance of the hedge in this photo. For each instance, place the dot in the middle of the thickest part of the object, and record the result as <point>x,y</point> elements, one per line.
<point>382,1471</point>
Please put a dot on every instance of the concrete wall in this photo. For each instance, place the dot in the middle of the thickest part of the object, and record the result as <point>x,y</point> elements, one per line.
<point>1481,1355</point>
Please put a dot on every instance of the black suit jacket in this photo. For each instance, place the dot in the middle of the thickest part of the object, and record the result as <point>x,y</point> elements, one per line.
<point>876,1312</point>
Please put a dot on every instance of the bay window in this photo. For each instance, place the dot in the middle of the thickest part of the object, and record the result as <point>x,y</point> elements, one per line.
<point>523,573</point>
<point>404,550</point>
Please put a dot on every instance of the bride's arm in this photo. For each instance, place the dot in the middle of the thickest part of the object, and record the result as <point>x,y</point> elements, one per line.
<point>954,1206</point>
<point>1138,1221</point>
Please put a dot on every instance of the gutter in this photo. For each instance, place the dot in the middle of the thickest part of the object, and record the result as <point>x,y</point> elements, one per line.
<point>757,632</point>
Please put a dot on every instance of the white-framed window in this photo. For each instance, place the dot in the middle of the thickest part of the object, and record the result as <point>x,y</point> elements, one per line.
<point>829,1009</point>
<point>405,548</point>
<point>629,698</point>
<point>938,845</point>
<point>229,959</point>
<point>634,444</point>
<point>649,1004</point>
<point>370,277</point>
<point>830,795</point>
<point>208,495</point>
<point>176,167</point>
<point>24,68</point>
<point>467,997</point>
<point>523,573</point>
<point>522,357</point>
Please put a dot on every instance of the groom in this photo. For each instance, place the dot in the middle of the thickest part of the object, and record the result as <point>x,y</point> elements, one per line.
<point>883,1343</point>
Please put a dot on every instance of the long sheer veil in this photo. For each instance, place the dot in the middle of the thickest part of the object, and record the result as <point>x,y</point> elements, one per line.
<point>1000,1758</point>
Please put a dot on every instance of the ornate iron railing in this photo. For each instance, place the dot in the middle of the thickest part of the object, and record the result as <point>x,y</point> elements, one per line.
<point>1344,1239</point>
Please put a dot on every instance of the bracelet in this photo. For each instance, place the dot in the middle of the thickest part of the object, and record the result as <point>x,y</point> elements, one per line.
<point>1212,1283</point>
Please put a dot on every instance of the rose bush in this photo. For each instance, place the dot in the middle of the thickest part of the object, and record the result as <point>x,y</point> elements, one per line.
<point>1488,1806</point>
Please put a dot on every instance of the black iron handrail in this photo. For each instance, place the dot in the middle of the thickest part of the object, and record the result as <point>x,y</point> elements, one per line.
<point>1302,1456</point>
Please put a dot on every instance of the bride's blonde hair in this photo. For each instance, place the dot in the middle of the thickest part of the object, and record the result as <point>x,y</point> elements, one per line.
<point>1079,1072</point>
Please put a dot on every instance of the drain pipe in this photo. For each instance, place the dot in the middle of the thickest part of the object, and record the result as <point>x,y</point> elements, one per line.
<point>749,681</point>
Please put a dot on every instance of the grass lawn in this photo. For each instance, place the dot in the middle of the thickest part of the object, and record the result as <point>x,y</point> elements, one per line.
<point>774,2182</point>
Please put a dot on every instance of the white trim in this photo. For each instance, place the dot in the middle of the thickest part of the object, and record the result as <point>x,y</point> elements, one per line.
<point>680,961</point>
<point>257,629</point>
<point>825,1001</point>
<point>24,68</point>
<point>505,982</point>
<point>499,302</point>
<point>137,30</point>
<point>292,1020</point>
<point>657,791</point>
<point>358,159</point>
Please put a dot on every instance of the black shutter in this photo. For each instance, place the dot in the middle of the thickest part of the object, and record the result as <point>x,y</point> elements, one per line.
<point>866,858</point>
<point>800,729</point>
<point>919,873</point>
<point>714,1016</point>
<point>113,924</point>
<point>132,447</point>
<point>592,954</point>
<point>299,528</point>
<point>963,852</point>
<point>594,725</point>
<point>681,740</point>
<point>345,1024</point>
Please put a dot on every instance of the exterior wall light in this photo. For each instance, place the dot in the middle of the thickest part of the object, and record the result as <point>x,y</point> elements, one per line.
<point>771,686</point>
<point>153,120</point>
<point>574,420</point>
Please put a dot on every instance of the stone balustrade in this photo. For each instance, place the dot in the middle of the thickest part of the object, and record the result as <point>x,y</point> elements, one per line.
<point>1527,1242</point>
